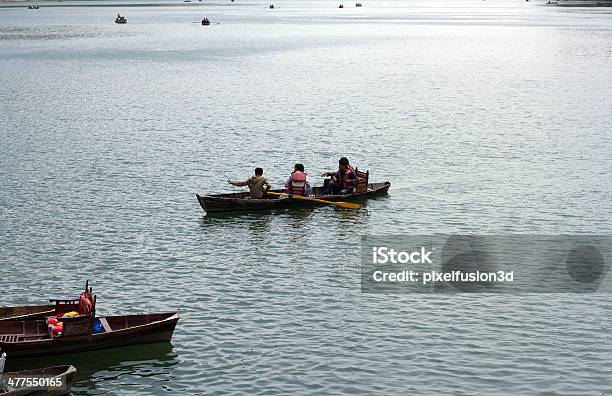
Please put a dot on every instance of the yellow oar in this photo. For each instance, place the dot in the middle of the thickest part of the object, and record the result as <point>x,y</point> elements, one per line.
<point>347,205</point>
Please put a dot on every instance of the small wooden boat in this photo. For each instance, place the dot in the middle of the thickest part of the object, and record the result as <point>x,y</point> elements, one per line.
<point>39,312</point>
<point>27,312</point>
<point>340,6</point>
<point>120,19</point>
<point>243,202</point>
<point>85,333</point>
<point>61,375</point>
<point>271,6</point>
<point>205,22</point>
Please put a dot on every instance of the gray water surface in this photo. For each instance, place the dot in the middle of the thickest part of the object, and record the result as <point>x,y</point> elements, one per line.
<point>486,117</point>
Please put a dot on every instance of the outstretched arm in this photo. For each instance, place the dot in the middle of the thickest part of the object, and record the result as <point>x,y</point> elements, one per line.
<point>238,183</point>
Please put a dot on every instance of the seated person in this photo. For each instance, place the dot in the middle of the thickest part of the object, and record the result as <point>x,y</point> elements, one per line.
<point>342,181</point>
<point>258,184</point>
<point>298,183</point>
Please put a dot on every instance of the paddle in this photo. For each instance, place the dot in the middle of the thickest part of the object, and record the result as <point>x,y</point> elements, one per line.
<point>347,205</point>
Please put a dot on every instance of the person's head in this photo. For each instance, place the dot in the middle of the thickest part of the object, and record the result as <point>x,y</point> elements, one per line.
<point>258,171</point>
<point>343,163</point>
<point>299,167</point>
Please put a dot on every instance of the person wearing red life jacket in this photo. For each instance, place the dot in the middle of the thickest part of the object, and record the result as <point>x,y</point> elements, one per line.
<point>298,183</point>
<point>341,181</point>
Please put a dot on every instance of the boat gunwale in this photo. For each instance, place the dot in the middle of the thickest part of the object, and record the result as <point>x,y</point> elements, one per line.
<point>66,369</point>
<point>241,195</point>
<point>29,316</point>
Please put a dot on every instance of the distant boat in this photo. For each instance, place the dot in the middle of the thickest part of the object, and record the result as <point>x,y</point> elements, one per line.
<point>582,3</point>
<point>120,19</point>
<point>33,7</point>
<point>358,5</point>
<point>271,6</point>
<point>205,22</point>
<point>340,6</point>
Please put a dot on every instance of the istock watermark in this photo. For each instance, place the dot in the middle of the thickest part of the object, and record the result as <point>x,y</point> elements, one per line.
<point>486,264</point>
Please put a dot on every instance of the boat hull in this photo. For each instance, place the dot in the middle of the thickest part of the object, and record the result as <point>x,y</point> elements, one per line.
<point>146,333</point>
<point>28,312</point>
<point>242,201</point>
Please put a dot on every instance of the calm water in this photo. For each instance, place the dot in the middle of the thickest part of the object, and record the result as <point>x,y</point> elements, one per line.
<point>487,117</point>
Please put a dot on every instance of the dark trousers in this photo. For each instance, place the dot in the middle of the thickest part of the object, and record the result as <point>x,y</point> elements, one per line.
<point>333,188</point>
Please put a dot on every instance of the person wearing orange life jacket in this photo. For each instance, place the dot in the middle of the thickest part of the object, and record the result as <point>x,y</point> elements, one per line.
<point>342,181</point>
<point>298,183</point>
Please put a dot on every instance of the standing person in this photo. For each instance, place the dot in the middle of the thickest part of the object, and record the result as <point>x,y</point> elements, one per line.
<point>298,183</point>
<point>258,184</point>
<point>341,181</point>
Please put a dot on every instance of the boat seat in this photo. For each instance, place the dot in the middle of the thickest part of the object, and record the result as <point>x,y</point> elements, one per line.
<point>362,181</point>
<point>10,337</point>
<point>105,324</point>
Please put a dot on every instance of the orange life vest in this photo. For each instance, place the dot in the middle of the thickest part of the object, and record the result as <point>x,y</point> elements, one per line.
<point>297,185</point>
<point>343,178</point>
<point>85,304</point>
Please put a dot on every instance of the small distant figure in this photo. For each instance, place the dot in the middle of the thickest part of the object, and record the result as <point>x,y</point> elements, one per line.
<point>120,19</point>
<point>205,22</point>
<point>258,184</point>
<point>271,6</point>
<point>298,183</point>
<point>358,5</point>
<point>340,6</point>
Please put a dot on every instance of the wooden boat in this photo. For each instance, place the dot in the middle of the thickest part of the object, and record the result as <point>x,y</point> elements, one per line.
<point>34,312</point>
<point>243,202</point>
<point>27,312</point>
<point>33,338</point>
<point>66,375</point>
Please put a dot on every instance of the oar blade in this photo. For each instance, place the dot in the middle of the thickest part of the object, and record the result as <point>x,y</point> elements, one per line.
<point>342,204</point>
<point>348,205</point>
